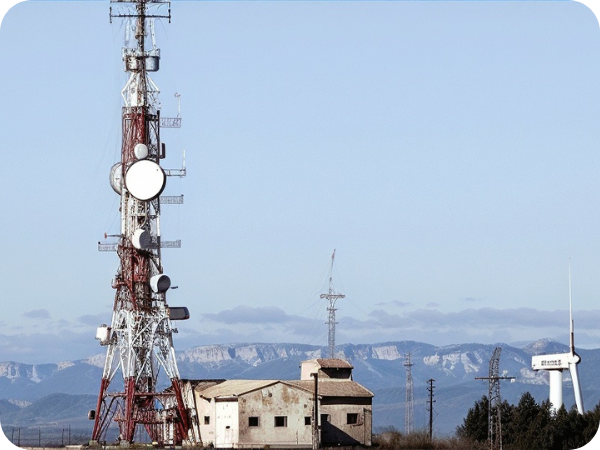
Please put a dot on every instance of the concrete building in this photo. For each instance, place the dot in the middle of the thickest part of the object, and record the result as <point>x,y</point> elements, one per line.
<point>326,368</point>
<point>278,413</point>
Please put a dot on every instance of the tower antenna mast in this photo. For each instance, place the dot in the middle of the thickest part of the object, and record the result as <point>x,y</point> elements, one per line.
<point>409,417</point>
<point>139,340</point>
<point>332,296</point>
<point>495,401</point>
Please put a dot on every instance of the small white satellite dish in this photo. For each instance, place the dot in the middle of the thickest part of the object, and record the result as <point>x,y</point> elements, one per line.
<point>140,151</point>
<point>140,239</point>
<point>160,283</point>
<point>116,175</point>
<point>145,180</point>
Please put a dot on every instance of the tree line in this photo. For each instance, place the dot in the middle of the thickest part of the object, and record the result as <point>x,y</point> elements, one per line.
<point>532,426</point>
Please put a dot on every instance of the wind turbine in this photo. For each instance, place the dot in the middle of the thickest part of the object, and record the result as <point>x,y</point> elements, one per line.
<point>555,364</point>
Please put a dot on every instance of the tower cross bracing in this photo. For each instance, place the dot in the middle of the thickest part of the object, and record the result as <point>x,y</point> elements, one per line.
<point>139,340</point>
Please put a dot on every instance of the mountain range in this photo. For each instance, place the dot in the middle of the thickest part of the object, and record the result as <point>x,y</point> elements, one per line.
<point>62,393</point>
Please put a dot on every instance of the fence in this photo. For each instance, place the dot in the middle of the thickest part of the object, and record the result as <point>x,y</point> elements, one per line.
<point>45,437</point>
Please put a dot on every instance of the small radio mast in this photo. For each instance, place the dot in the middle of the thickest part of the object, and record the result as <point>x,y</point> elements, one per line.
<point>331,297</point>
<point>409,415</point>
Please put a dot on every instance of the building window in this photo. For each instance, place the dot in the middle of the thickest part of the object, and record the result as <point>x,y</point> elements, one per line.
<point>324,418</point>
<point>352,419</point>
<point>206,420</point>
<point>281,421</point>
<point>307,420</point>
<point>253,421</point>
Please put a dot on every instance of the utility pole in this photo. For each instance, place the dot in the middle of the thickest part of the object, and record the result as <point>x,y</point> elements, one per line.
<point>315,418</point>
<point>431,402</point>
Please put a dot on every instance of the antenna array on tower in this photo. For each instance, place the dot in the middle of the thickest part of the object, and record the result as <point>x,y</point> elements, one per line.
<point>139,340</point>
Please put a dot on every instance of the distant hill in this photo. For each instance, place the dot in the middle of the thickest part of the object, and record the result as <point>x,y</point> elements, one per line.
<point>7,407</point>
<point>64,392</point>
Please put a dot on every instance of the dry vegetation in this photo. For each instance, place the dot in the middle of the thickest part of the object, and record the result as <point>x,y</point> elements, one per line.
<point>392,439</point>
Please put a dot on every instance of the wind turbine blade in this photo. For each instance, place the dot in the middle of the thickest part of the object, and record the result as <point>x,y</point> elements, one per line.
<point>576,387</point>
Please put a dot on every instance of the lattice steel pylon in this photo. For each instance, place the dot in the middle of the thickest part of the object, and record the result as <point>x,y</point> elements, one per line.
<point>409,415</point>
<point>331,297</point>
<point>139,339</point>
<point>495,401</point>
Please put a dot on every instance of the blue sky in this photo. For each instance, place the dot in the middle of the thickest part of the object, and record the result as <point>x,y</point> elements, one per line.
<point>448,151</point>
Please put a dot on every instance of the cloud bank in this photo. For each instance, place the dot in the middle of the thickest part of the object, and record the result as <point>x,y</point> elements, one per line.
<point>55,341</point>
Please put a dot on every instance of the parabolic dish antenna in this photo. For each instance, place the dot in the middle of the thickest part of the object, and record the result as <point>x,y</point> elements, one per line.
<point>141,239</point>
<point>115,178</point>
<point>145,180</point>
<point>140,151</point>
<point>160,283</point>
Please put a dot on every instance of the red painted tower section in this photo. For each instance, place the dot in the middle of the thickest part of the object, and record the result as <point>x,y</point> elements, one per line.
<point>139,339</point>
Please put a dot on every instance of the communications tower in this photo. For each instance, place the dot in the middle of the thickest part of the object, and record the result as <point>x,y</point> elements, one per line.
<point>409,415</point>
<point>495,401</point>
<point>139,339</point>
<point>331,297</point>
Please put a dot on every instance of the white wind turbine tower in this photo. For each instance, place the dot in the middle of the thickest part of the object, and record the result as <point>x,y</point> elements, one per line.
<point>555,364</point>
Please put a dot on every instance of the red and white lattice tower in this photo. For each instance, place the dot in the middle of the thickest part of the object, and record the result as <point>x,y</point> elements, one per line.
<point>139,339</point>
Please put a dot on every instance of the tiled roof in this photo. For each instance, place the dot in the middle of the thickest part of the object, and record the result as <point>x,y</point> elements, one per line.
<point>197,385</point>
<point>327,387</point>
<point>334,363</point>
<point>333,388</point>
<point>233,388</point>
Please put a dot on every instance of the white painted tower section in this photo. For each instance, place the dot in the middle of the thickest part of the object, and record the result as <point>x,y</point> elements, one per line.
<point>556,388</point>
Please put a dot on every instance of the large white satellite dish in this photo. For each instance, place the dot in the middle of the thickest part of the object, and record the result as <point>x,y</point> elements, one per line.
<point>145,180</point>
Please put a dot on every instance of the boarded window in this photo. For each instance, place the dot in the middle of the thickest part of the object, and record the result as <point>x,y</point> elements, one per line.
<point>281,421</point>
<point>253,421</point>
<point>206,420</point>
<point>307,420</point>
<point>352,419</point>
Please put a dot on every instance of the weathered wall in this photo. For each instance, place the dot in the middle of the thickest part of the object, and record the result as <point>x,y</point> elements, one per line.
<point>267,403</point>
<point>226,424</point>
<point>337,429</point>
<point>205,408</point>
